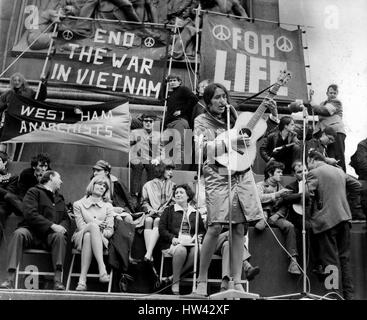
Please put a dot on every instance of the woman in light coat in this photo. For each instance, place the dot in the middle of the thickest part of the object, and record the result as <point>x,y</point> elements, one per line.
<point>94,220</point>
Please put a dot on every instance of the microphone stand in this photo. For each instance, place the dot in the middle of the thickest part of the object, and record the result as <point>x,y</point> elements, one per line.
<point>231,293</point>
<point>196,252</point>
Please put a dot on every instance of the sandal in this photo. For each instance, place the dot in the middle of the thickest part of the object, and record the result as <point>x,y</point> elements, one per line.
<point>104,278</point>
<point>201,288</point>
<point>176,288</point>
<point>239,287</point>
<point>81,286</point>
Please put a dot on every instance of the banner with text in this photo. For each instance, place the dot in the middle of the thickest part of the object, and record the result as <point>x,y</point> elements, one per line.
<point>103,125</point>
<point>247,57</point>
<point>93,49</point>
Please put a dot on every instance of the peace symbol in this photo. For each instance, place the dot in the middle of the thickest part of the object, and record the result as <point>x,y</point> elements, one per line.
<point>284,44</point>
<point>221,32</point>
<point>149,42</point>
<point>68,34</point>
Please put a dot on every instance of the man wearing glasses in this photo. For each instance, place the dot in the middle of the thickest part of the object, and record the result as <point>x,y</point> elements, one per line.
<point>144,153</point>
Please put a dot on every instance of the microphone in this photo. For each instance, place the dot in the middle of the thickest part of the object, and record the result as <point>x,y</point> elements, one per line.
<point>296,106</point>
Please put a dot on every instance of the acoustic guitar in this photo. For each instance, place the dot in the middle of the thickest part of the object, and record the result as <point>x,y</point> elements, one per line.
<point>297,207</point>
<point>252,127</point>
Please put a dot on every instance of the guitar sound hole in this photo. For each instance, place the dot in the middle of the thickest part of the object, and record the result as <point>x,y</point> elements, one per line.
<point>246,132</point>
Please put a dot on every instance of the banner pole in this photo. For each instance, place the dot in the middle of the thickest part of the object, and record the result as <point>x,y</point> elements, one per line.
<point>197,27</point>
<point>168,73</point>
<point>54,32</point>
<point>43,76</point>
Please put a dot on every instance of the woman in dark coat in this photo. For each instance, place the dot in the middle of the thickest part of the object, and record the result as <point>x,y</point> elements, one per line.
<point>177,233</point>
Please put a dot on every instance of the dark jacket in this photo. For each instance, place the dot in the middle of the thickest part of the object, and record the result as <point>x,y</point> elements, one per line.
<point>359,160</point>
<point>180,99</point>
<point>121,197</point>
<point>119,245</point>
<point>170,223</point>
<point>327,186</point>
<point>24,92</point>
<point>27,180</point>
<point>272,141</point>
<point>8,183</point>
<point>41,209</point>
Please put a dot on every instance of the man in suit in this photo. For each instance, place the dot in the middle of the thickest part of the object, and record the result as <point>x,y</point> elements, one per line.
<point>46,224</point>
<point>330,216</point>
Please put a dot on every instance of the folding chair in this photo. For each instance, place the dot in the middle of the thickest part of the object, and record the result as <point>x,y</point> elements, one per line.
<point>19,272</point>
<point>76,252</point>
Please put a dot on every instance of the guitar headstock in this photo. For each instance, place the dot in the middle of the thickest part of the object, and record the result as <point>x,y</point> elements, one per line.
<point>284,77</point>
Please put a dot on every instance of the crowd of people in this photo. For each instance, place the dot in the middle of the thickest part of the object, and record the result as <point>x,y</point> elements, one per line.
<point>110,212</point>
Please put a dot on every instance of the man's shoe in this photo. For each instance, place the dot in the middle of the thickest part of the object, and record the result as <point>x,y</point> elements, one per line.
<point>293,267</point>
<point>59,286</point>
<point>252,272</point>
<point>8,284</point>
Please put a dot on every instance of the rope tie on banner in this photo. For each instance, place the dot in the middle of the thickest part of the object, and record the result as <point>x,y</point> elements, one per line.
<point>24,51</point>
<point>187,61</point>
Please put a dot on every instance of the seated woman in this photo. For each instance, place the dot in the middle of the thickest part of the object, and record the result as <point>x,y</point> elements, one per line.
<point>94,221</point>
<point>177,233</point>
<point>156,197</point>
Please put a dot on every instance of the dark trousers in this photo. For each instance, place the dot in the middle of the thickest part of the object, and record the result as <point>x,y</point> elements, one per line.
<point>287,229</point>
<point>364,196</point>
<point>7,207</point>
<point>334,249</point>
<point>336,150</point>
<point>137,173</point>
<point>14,203</point>
<point>24,239</point>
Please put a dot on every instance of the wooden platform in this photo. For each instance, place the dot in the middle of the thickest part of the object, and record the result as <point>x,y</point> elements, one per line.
<point>273,279</point>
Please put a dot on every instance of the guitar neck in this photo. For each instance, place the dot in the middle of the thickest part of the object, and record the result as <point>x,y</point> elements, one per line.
<point>262,108</point>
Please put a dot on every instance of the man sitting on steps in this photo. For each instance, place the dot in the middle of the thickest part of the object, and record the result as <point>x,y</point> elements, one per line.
<point>46,224</point>
<point>271,194</point>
